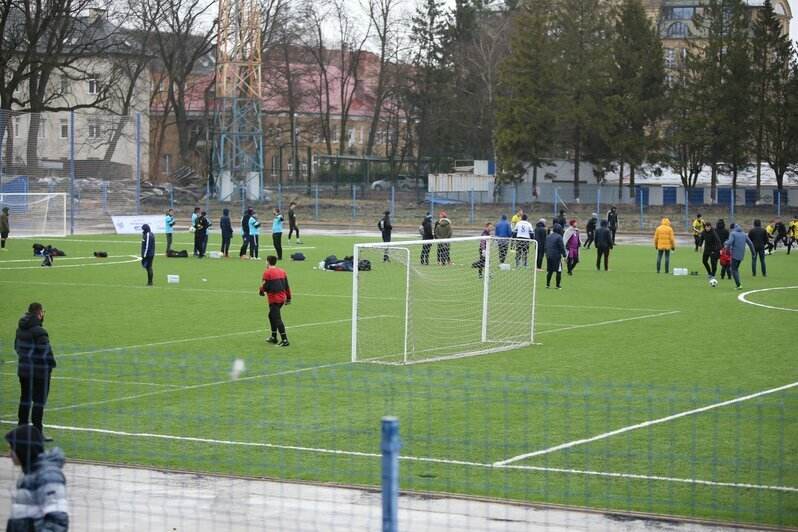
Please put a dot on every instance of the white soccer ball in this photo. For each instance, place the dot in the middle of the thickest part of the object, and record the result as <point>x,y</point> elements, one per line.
<point>713,282</point>
<point>192,229</point>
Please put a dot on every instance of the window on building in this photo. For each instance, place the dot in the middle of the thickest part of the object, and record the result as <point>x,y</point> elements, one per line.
<point>278,133</point>
<point>360,138</point>
<point>335,134</point>
<point>275,165</point>
<point>351,136</point>
<point>678,13</point>
<point>94,84</point>
<point>677,30</point>
<point>779,9</point>
<point>316,136</point>
<point>42,128</point>
<point>670,79</point>
<point>167,163</point>
<point>94,128</point>
<point>17,126</point>
<point>64,128</point>
<point>64,84</point>
<point>670,58</point>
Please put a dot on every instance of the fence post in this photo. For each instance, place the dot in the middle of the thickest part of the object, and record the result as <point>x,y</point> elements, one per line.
<point>390,446</point>
<point>2,136</point>
<point>317,203</point>
<point>105,197</point>
<point>242,189</point>
<point>138,163</point>
<point>640,195</point>
<point>432,203</point>
<point>778,203</point>
<point>515,191</point>
<point>472,206</point>
<point>598,202</point>
<point>732,205</point>
<point>72,173</point>
<point>393,203</point>
<point>354,204</point>
<point>78,187</point>
<point>687,209</point>
<point>280,196</point>
<point>555,201</point>
<point>171,196</point>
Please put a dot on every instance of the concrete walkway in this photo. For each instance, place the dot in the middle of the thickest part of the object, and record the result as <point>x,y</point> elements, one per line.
<point>108,499</point>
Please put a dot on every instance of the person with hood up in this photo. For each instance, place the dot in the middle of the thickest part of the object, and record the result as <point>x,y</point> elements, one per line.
<point>664,243</point>
<point>4,229</point>
<point>503,231</point>
<point>227,232</point>
<point>736,244</point>
<point>540,233</point>
<point>759,237</point>
<point>572,245</point>
<point>426,234</point>
<point>147,251</point>
<point>603,245</point>
<point>245,236</point>
<point>442,230</point>
<point>35,363</point>
<point>591,230</point>
<point>39,501</point>
<point>712,245</point>
<point>555,252</point>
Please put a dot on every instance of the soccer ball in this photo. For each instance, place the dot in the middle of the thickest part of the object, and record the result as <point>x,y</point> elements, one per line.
<point>713,282</point>
<point>192,229</point>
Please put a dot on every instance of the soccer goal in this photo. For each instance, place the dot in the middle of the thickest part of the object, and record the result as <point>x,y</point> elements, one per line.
<point>36,214</point>
<point>429,300</point>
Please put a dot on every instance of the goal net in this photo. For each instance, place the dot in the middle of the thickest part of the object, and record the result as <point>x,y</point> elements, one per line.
<point>426,300</point>
<point>36,214</point>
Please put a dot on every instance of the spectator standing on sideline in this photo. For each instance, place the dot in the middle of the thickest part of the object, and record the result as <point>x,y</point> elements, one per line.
<point>277,233</point>
<point>779,233</point>
<point>5,228</point>
<point>39,501</point>
<point>426,234</point>
<point>560,219</point>
<point>35,363</point>
<point>664,243</point>
<point>572,245</point>
<point>698,227</point>
<point>503,232</point>
<point>245,232</point>
<point>712,245</point>
<point>792,233</point>
<point>194,218</point>
<point>170,224</point>
<point>201,234</point>
<point>515,219</point>
<point>227,232</point>
<point>604,244</point>
<point>523,235</point>
<point>292,226</point>
<point>385,228</point>
<point>555,252</point>
<point>254,235</point>
<point>540,237</point>
<point>759,237</point>
<point>275,286</point>
<point>591,230</point>
<point>483,249</point>
<point>736,244</point>
<point>443,229</point>
<point>612,221</point>
<point>147,251</point>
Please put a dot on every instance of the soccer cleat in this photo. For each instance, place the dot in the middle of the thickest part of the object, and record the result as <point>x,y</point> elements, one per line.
<point>740,287</point>
<point>284,343</point>
<point>271,340</point>
<point>244,257</point>
<point>46,438</point>
<point>289,240</point>
<point>558,287</point>
<point>298,241</point>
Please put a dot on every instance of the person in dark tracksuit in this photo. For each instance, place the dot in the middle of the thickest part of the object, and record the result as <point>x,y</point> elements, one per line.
<point>277,233</point>
<point>759,237</point>
<point>35,364</point>
<point>426,225</point>
<point>603,243</point>
<point>723,235</point>
<point>292,226</point>
<point>147,251</point>
<point>555,252</point>
<point>712,245</point>
<point>245,232</point>
<point>385,228</point>
<point>591,230</point>
<point>227,232</point>
<point>540,238</point>
<point>201,234</point>
<point>194,218</point>
<point>612,221</point>
<point>275,286</point>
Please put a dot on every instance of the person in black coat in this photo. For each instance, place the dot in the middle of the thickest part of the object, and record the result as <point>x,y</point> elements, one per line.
<point>427,234</point>
<point>591,230</point>
<point>604,244</point>
<point>245,231</point>
<point>612,221</point>
<point>147,251</point>
<point>35,365</point>
<point>555,252</point>
<point>227,232</point>
<point>201,234</point>
<point>712,244</point>
<point>560,219</point>
<point>385,228</point>
<point>540,238</point>
<point>760,238</point>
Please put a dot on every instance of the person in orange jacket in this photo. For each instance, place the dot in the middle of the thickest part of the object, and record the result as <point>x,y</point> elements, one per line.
<point>664,242</point>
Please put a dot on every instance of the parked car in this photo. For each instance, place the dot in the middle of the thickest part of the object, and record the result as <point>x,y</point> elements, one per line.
<point>404,182</point>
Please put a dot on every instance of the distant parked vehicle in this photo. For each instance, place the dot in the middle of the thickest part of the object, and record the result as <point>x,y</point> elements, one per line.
<point>404,182</point>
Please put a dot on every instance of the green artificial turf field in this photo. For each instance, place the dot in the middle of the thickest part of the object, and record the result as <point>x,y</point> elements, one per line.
<point>637,364</point>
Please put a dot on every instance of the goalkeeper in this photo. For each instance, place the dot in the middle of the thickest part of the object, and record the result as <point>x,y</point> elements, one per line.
<point>275,285</point>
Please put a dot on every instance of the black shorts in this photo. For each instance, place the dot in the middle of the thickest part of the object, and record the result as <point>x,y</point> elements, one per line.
<point>3,235</point>
<point>553,265</point>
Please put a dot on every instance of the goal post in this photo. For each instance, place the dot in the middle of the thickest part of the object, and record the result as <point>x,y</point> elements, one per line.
<point>36,214</point>
<point>427,300</point>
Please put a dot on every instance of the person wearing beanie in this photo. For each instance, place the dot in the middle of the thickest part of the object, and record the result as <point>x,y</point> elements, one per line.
<point>540,238</point>
<point>426,234</point>
<point>4,229</point>
<point>664,243</point>
<point>147,251</point>
<point>603,242</point>
<point>202,225</point>
<point>503,231</point>
<point>572,245</point>
<point>523,232</point>
<point>759,237</point>
<point>590,229</point>
<point>712,245</point>
<point>442,230</point>
<point>385,228</point>
<point>292,226</point>
<point>170,227</point>
<point>555,252</point>
<point>227,232</point>
<point>612,221</point>
<point>39,501</point>
<point>560,219</point>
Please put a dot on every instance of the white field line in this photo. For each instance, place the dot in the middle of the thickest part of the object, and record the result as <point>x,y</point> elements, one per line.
<point>213,337</point>
<point>57,266</point>
<point>320,450</point>
<point>610,322</point>
<point>39,259</point>
<point>107,381</point>
<point>644,424</point>
<point>743,297</point>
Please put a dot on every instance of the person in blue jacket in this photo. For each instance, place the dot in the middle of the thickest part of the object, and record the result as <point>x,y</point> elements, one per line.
<point>227,232</point>
<point>147,251</point>
<point>555,252</point>
<point>502,231</point>
<point>277,233</point>
<point>254,235</point>
<point>736,244</point>
<point>170,224</point>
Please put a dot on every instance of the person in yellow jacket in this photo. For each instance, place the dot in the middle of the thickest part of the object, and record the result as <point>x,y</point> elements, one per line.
<point>664,242</point>
<point>770,228</point>
<point>698,227</point>
<point>515,219</point>
<point>792,233</point>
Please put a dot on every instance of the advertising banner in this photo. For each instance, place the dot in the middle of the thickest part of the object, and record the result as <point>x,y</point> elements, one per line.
<point>131,225</point>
